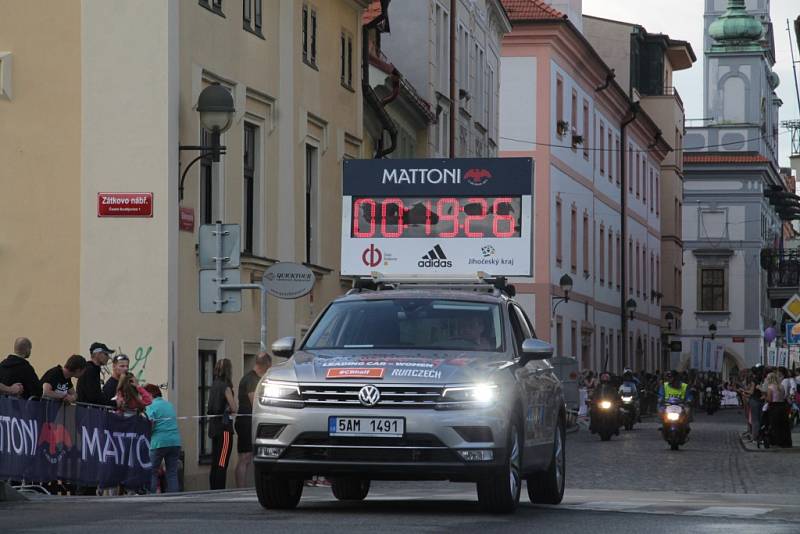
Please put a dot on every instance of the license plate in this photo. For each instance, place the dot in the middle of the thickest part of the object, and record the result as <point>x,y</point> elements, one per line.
<point>393,427</point>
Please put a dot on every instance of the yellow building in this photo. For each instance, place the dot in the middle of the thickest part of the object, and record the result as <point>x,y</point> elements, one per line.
<point>96,96</point>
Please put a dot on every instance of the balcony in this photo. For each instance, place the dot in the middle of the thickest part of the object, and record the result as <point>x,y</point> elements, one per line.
<point>673,91</point>
<point>783,274</point>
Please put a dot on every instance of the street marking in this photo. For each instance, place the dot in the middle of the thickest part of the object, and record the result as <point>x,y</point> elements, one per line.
<point>730,511</point>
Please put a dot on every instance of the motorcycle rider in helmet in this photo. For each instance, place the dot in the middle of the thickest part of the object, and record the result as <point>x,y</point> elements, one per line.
<point>604,390</point>
<point>630,387</point>
<point>674,387</point>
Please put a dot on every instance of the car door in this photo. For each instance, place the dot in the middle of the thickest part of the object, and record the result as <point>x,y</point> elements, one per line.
<point>548,388</point>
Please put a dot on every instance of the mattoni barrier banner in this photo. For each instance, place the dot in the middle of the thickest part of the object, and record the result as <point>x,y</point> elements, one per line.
<point>41,441</point>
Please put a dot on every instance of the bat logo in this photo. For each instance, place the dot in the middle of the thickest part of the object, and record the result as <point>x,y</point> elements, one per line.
<point>54,436</point>
<point>477,176</point>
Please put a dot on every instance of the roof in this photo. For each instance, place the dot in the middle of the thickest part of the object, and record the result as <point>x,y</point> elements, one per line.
<point>522,10</point>
<point>371,12</point>
<point>724,158</point>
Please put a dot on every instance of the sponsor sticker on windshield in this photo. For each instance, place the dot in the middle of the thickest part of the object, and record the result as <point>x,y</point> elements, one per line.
<point>358,372</point>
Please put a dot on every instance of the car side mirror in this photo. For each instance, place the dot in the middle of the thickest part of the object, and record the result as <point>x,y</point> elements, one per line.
<point>284,347</point>
<point>536,349</point>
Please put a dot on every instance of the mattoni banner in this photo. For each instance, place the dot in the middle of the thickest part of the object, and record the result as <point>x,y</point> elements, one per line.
<point>42,441</point>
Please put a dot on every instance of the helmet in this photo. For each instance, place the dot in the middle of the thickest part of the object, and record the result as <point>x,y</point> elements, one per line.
<point>627,374</point>
<point>605,377</point>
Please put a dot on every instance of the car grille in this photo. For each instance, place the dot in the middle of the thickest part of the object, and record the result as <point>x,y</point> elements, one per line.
<point>392,395</point>
<point>316,446</point>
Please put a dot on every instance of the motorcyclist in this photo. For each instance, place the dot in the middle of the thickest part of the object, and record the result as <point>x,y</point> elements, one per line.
<point>604,390</point>
<point>630,387</point>
<point>674,387</point>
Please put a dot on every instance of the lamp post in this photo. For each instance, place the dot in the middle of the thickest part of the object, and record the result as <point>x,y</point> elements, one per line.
<point>216,109</point>
<point>566,286</point>
<point>712,332</point>
<point>630,307</point>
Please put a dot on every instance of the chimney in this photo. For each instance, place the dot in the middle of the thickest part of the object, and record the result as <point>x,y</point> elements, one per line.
<point>572,9</point>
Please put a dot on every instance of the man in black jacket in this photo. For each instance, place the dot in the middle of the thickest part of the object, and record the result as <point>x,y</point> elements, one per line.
<point>16,369</point>
<point>89,385</point>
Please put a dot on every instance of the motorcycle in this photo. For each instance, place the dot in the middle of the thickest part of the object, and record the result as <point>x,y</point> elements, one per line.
<point>712,400</point>
<point>605,418</point>
<point>629,409</point>
<point>675,427</point>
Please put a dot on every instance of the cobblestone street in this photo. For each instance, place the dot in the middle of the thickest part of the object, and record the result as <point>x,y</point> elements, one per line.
<point>712,461</point>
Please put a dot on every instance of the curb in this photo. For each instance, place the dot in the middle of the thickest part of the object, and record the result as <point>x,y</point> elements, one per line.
<point>748,446</point>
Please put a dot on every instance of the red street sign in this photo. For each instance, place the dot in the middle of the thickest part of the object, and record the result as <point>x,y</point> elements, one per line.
<point>187,219</point>
<point>124,204</point>
<point>738,339</point>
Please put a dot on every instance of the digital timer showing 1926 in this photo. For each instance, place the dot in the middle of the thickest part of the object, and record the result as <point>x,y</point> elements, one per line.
<point>436,217</point>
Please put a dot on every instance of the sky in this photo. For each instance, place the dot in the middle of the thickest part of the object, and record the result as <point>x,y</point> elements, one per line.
<point>683,20</point>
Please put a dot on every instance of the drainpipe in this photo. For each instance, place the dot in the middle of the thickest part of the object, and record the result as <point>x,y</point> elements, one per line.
<point>623,167</point>
<point>370,96</point>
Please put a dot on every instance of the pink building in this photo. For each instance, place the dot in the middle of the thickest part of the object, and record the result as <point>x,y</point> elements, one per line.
<point>597,155</point>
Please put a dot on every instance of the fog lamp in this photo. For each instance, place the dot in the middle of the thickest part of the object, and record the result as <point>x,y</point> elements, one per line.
<point>269,452</point>
<point>477,455</point>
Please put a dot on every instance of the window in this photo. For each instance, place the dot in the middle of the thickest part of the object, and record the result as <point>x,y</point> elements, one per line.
<point>630,170</point>
<point>215,6</point>
<point>251,16</point>
<point>644,272</point>
<point>559,243</point>
<point>311,206</point>
<point>587,237</point>
<point>573,339</point>
<point>573,239</point>
<point>653,285</point>
<point>638,273</point>
<point>559,102</point>
<point>490,102</point>
<point>610,259</point>
<point>346,60</point>
<point>618,159</point>
<point>644,186</point>
<point>619,261</point>
<point>656,194</point>
<point>250,236</point>
<point>574,117</point>
<point>559,336</point>
<point>607,155</point>
<point>209,185</point>
<point>603,150</point>
<point>638,178</point>
<point>206,361</point>
<point>712,290</point>
<point>630,266</point>
<point>586,132</point>
<point>602,259</point>
<point>309,32</point>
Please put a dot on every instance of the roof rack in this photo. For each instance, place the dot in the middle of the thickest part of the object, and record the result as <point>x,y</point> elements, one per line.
<point>480,281</point>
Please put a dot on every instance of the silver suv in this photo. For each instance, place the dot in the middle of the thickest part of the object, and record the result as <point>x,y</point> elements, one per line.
<point>417,383</point>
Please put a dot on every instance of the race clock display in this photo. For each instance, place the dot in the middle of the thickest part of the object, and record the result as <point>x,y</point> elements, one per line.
<point>461,216</point>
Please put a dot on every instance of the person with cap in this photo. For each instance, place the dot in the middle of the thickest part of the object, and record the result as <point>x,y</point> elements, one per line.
<point>119,366</point>
<point>90,388</point>
<point>16,371</point>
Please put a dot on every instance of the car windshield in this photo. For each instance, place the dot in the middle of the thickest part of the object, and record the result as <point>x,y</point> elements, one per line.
<point>409,324</point>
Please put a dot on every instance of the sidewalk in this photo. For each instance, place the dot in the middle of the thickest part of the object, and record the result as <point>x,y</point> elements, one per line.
<point>751,446</point>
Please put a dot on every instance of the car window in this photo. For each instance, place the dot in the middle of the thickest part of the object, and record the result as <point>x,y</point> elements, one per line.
<point>516,328</point>
<point>418,323</point>
<point>527,329</point>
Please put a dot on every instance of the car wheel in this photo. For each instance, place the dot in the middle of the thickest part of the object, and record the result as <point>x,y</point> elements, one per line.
<point>500,493</point>
<point>278,493</point>
<point>548,487</point>
<point>350,489</point>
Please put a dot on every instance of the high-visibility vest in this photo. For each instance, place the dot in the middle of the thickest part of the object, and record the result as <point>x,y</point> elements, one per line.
<point>670,391</point>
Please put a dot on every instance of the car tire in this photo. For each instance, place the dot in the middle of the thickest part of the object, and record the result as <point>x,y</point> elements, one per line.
<point>500,493</point>
<point>278,493</point>
<point>548,487</point>
<point>350,489</point>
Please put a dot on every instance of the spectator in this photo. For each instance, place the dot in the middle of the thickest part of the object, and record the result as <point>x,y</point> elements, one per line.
<point>57,381</point>
<point>131,397</point>
<point>119,366</point>
<point>221,406</point>
<point>16,371</point>
<point>244,427</point>
<point>89,385</point>
<point>787,383</point>
<point>165,440</point>
<point>780,432</point>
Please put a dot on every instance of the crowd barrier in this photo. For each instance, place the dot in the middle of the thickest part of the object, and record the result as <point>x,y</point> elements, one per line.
<point>43,441</point>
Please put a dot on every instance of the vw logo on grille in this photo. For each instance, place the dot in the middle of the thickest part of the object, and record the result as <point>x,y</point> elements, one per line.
<point>369,395</point>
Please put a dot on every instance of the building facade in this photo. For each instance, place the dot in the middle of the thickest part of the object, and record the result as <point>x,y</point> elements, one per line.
<point>597,158</point>
<point>643,64</point>
<point>731,172</point>
<point>116,124</point>
<point>421,51</point>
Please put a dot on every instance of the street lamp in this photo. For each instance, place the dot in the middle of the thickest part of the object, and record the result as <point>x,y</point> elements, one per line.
<point>712,329</point>
<point>630,306</point>
<point>216,109</point>
<point>669,317</point>
<point>566,286</point>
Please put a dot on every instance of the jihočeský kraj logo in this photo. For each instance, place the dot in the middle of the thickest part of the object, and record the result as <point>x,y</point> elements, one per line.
<point>435,258</point>
<point>488,251</point>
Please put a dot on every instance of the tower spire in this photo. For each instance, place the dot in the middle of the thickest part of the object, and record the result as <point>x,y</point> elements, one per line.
<point>736,29</point>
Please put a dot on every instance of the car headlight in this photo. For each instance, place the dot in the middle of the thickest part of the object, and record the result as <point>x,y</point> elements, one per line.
<point>281,394</point>
<point>627,399</point>
<point>605,405</point>
<point>673,416</point>
<point>463,396</point>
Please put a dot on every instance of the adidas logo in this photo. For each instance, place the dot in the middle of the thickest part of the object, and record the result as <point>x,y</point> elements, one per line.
<point>435,258</point>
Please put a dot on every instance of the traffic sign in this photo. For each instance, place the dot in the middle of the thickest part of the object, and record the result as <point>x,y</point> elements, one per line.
<point>231,298</point>
<point>792,307</point>
<point>231,243</point>
<point>287,280</point>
